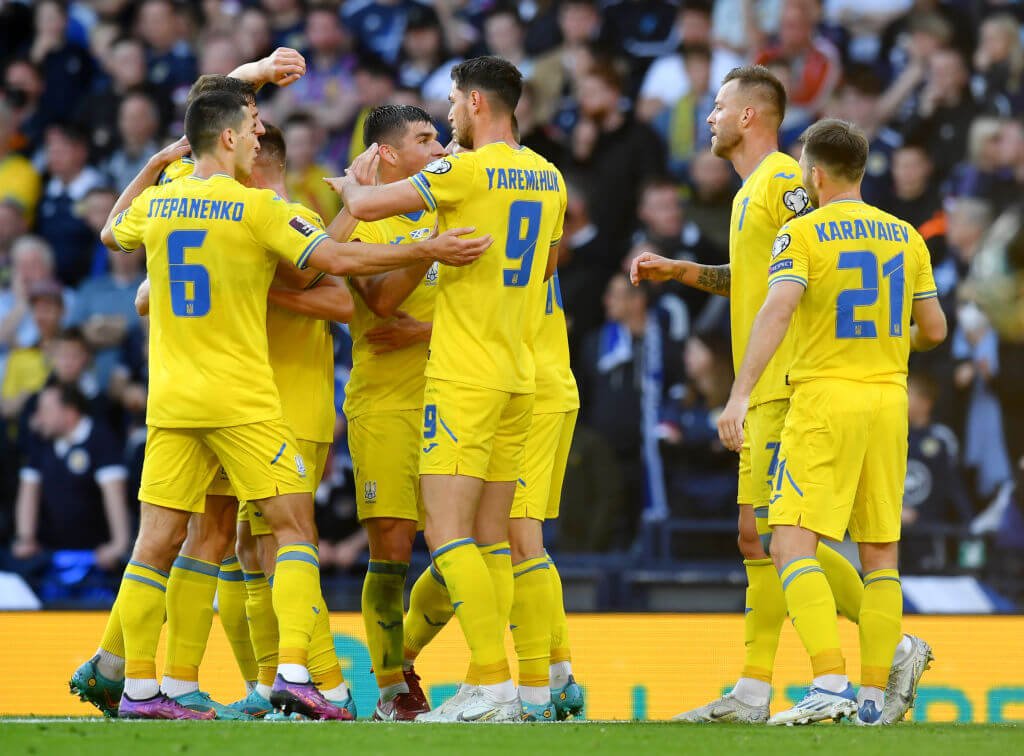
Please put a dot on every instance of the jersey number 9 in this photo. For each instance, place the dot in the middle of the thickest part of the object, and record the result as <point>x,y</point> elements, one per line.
<point>190,283</point>
<point>523,230</point>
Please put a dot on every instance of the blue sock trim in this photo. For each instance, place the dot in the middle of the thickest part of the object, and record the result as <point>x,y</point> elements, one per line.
<point>146,581</point>
<point>541,566</point>
<point>802,571</point>
<point>453,545</point>
<point>145,566</point>
<point>196,565</point>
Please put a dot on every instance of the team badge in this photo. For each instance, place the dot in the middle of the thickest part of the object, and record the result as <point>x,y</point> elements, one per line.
<point>78,461</point>
<point>432,275</point>
<point>781,244</point>
<point>303,226</point>
<point>930,446</point>
<point>797,200</point>
<point>370,491</point>
<point>300,465</point>
<point>439,167</point>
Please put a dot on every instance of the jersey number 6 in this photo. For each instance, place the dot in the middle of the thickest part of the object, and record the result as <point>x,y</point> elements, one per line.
<point>190,283</point>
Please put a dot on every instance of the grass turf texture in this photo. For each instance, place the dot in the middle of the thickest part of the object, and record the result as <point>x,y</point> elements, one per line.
<point>306,739</point>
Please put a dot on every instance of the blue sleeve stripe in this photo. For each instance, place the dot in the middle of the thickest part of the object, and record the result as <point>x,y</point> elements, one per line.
<point>926,294</point>
<point>423,188</point>
<point>795,279</point>
<point>304,257</point>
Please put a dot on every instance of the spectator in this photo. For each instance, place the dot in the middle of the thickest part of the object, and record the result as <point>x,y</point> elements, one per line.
<point>668,79</point>
<point>556,70</point>
<point>934,493</point>
<point>585,263</point>
<point>218,54</point>
<point>914,194</point>
<point>288,23</point>
<point>627,369</point>
<point>69,179</point>
<point>28,367</point>
<point>253,36</point>
<point>23,91</point>
<point>683,126</point>
<point>535,134</point>
<point>759,20</point>
<point>375,85</point>
<point>94,209</point>
<point>66,67</point>
<point>505,36</point>
<point>944,111</point>
<point>379,24</point>
<point>642,31</point>
<point>327,91</point>
<point>19,181</point>
<point>305,176</point>
<point>13,224</point>
<point>710,204</point>
<point>170,60</point>
<point>862,22</point>
<point>425,64</point>
<point>31,265</point>
<point>901,42</point>
<point>924,36</point>
<point>138,125</point>
<point>128,386</point>
<point>610,148</point>
<point>813,62</point>
<point>72,489</point>
<point>998,80</point>
<point>98,112</point>
<point>701,473</point>
<point>982,176</point>
<point>105,310</point>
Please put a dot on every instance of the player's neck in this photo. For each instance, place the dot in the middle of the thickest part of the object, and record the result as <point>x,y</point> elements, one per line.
<point>390,175</point>
<point>278,188</point>
<point>488,132</point>
<point>751,151</point>
<point>828,195</point>
<point>208,165</point>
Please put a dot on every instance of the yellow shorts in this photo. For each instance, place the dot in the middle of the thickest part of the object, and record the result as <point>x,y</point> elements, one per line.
<point>539,490</point>
<point>844,460</point>
<point>474,431</point>
<point>759,456</point>
<point>385,448</point>
<point>314,455</point>
<point>221,485</point>
<point>261,459</point>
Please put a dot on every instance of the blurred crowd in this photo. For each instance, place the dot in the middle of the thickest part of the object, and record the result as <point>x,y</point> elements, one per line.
<point>617,94</point>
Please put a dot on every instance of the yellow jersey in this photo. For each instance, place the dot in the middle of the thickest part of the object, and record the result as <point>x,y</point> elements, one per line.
<point>770,197</point>
<point>301,354</point>
<point>862,269</point>
<point>485,319</point>
<point>19,181</point>
<point>211,252</point>
<point>180,168</point>
<point>556,385</point>
<point>395,380</point>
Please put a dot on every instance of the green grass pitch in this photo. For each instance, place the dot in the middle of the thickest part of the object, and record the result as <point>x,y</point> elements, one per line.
<point>86,737</point>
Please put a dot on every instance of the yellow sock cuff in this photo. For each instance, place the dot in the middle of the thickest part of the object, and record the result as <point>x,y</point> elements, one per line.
<point>197,566</point>
<point>331,678</point>
<point>140,669</point>
<point>444,548</point>
<point>231,571</point>
<point>560,655</point>
<point>798,567</point>
<point>492,674</point>
<point>384,679</point>
<point>385,567</point>
<point>879,575</point>
<point>254,580</point>
<point>874,677</point>
<point>829,662</point>
<point>143,573</point>
<point>502,548</point>
<point>473,674</point>
<point>266,675</point>
<point>530,565</point>
<point>757,673</point>
<point>179,672</point>
<point>299,552</point>
<point>767,562</point>
<point>293,656</point>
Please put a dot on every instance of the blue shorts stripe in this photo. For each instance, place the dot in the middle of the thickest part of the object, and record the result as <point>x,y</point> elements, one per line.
<point>453,545</point>
<point>279,453</point>
<point>196,565</point>
<point>146,581</point>
<point>447,430</point>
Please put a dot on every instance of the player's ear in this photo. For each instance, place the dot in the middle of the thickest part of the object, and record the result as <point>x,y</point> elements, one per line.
<point>387,154</point>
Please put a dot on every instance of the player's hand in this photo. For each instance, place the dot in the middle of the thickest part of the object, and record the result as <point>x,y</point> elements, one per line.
<point>451,248</point>
<point>730,422</point>
<point>648,266</point>
<point>364,167</point>
<point>282,67</point>
<point>397,333</point>
<point>175,150</point>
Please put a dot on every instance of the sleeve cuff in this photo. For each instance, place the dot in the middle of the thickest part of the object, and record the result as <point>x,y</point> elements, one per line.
<point>111,473</point>
<point>794,279</point>
<point>421,186</point>
<point>926,294</point>
<point>120,246</point>
<point>304,257</point>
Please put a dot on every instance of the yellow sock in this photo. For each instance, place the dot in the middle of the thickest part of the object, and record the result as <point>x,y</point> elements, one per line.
<point>881,618</point>
<point>259,611</point>
<point>813,610</point>
<point>324,669</point>
<point>142,601</point>
<point>190,591</point>
<point>531,620</point>
<point>430,609</point>
<point>559,623</point>
<point>113,639</point>
<point>297,600</point>
<point>472,592</point>
<point>498,558</point>
<point>383,609</point>
<point>844,580</point>
<point>231,595</point>
<point>762,622</point>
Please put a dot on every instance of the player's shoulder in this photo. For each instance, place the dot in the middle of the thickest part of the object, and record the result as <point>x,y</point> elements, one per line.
<point>304,212</point>
<point>180,168</point>
<point>458,162</point>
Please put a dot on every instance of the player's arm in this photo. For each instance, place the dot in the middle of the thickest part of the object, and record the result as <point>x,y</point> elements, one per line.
<point>765,337</point>
<point>26,514</point>
<point>145,178</point>
<point>929,328</point>
<point>358,259</point>
<point>142,298</point>
<point>282,67</point>
<point>399,332</point>
<point>115,508</point>
<point>714,279</point>
<point>368,201</point>
<point>327,299</point>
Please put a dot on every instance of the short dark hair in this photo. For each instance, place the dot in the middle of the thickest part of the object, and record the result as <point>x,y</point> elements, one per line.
<point>925,383</point>
<point>493,75</point>
<point>70,131</point>
<point>208,83</point>
<point>764,82</point>
<point>609,73</point>
<point>389,122</point>
<point>208,115</point>
<point>272,145</point>
<point>74,333</point>
<point>838,146</point>
<point>697,50</point>
<point>71,396</point>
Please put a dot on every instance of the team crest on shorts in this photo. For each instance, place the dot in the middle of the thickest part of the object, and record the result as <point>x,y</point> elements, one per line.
<point>300,465</point>
<point>370,491</point>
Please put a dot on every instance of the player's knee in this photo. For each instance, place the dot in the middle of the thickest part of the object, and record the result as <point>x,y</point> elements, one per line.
<point>158,547</point>
<point>391,539</point>
<point>526,539</point>
<point>245,550</point>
